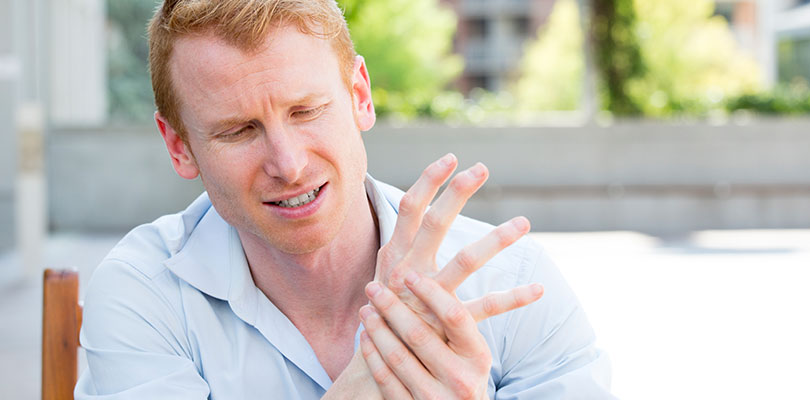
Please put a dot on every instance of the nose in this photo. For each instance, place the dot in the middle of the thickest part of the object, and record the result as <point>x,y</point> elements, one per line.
<point>286,153</point>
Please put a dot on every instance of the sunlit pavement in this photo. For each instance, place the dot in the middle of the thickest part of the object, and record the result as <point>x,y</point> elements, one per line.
<point>716,315</point>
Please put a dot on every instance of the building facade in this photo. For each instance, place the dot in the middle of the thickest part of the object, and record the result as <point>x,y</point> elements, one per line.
<point>776,32</point>
<point>491,36</point>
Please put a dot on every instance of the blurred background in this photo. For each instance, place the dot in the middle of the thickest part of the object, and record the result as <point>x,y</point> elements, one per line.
<point>661,149</point>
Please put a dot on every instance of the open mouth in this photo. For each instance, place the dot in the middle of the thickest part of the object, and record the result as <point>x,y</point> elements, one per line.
<point>300,200</point>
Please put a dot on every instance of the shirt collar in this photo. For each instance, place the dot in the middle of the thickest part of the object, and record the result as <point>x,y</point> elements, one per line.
<point>212,258</point>
<point>204,254</point>
<point>385,210</point>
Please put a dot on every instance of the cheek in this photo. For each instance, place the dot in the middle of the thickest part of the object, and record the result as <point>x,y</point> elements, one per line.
<point>227,172</point>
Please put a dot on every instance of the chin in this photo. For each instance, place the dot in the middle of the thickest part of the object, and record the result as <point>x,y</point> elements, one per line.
<point>301,247</point>
<point>301,242</point>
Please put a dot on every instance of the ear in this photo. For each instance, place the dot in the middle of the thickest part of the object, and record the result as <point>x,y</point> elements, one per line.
<point>182,159</point>
<point>361,91</point>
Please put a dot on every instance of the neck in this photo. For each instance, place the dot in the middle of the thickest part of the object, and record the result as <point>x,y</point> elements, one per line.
<point>326,285</point>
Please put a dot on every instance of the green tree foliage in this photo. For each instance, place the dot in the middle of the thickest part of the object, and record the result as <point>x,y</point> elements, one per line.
<point>408,48</point>
<point>552,67</point>
<point>693,59</point>
<point>129,88</point>
<point>654,57</point>
<point>616,53</point>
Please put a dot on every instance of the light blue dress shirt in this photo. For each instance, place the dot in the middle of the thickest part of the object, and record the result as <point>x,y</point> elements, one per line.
<point>172,313</point>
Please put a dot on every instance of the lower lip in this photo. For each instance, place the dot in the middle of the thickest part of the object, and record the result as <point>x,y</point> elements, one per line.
<point>301,211</point>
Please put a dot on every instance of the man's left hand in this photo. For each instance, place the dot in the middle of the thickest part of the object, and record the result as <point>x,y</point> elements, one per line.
<point>422,365</point>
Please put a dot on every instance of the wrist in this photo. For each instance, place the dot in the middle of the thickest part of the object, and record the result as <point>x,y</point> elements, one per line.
<point>355,382</point>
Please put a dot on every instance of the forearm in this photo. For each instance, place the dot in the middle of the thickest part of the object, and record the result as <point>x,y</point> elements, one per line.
<point>355,382</point>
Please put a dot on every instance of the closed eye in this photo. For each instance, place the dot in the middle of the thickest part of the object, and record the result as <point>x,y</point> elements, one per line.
<point>238,133</point>
<point>308,113</point>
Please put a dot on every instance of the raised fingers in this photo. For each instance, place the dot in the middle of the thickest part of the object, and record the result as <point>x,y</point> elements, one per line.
<point>418,197</point>
<point>473,256</point>
<point>444,211</point>
<point>496,303</point>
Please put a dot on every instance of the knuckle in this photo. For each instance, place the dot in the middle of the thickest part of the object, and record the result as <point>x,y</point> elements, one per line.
<point>459,184</point>
<point>418,336</point>
<point>416,305</point>
<point>432,222</point>
<point>484,358</point>
<point>386,248</point>
<point>455,315</point>
<point>367,350</point>
<point>518,298</point>
<point>408,204</point>
<point>387,255</point>
<point>502,237</point>
<point>384,304</point>
<point>396,358</point>
<point>463,387</point>
<point>491,305</point>
<point>433,174</point>
<point>382,375</point>
<point>466,261</point>
<point>485,364</point>
<point>396,280</point>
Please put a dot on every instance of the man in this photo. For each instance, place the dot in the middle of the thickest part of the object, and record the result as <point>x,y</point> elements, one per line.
<point>258,289</point>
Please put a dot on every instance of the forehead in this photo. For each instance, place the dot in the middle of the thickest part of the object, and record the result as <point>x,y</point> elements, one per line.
<point>207,72</point>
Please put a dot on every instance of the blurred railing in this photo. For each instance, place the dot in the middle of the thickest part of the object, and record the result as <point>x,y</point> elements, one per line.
<point>659,178</point>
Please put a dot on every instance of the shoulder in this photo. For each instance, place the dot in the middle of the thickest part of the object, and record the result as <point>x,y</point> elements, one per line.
<point>132,284</point>
<point>146,247</point>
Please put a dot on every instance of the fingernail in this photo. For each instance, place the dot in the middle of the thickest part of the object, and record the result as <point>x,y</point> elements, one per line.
<point>520,223</point>
<point>411,278</point>
<point>536,289</point>
<point>366,312</point>
<point>447,160</point>
<point>477,170</point>
<point>373,289</point>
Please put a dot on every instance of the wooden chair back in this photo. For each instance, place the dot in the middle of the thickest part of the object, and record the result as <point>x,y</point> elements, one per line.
<point>61,321</point>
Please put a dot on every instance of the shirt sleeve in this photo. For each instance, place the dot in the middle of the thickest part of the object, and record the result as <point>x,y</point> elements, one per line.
<point>133,335</point>
<point>549,346</point>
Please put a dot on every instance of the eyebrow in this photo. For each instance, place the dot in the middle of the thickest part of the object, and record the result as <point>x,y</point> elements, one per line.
<point>310,98</point>
<point>222,125</point>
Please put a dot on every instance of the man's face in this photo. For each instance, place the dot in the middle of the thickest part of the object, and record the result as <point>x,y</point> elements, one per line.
<point>274,135</point>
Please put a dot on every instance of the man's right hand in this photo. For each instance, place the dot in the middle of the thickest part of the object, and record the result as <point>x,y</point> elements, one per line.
<point>418,235</point>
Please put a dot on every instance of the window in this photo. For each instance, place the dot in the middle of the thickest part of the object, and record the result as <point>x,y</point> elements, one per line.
<point>477,28</point>
<point>794,60</point>
<point>522,26</point>
<point>725,10</point>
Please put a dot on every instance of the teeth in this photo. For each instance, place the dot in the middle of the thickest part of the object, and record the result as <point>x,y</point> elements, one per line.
<point>299,200</point>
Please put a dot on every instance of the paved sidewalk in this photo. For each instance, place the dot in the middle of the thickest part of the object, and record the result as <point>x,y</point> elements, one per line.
<point>716,315</point>
<point>21,305</point>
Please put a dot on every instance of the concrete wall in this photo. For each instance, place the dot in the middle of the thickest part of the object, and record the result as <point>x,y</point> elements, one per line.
<point>9,72</point>
<point>112,180</point>
<point>662,179</point>
<point>640,176</point>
